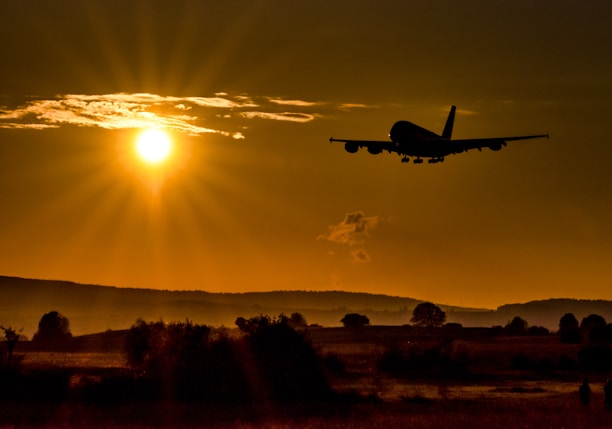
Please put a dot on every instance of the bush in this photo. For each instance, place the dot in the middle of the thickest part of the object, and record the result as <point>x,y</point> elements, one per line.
<point>286,359</point>
<point>271,361</point>
<point>185,361</point>
<point>53,330</point>
<point>595,357</point>
<point>567,363</point>
<point>520,362</point>
<point>440,358</point>
<point>354,320</point>
<point>334,364</point>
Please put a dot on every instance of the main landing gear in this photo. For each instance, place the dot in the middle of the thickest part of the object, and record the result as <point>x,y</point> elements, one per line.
<point>405,159</point>
<point>416,161</point>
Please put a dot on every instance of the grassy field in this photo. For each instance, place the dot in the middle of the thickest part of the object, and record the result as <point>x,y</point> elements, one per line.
<point>553,411</point>
<point>490,393</point>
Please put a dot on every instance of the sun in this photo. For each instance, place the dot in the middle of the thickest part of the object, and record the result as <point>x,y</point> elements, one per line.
<point>154,146</point>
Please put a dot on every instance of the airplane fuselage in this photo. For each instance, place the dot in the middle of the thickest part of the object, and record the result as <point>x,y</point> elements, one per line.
<point>408,139</point>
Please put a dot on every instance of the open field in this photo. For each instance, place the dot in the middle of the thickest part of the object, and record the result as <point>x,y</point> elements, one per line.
<point>512,411</point>
<point>487,393</point>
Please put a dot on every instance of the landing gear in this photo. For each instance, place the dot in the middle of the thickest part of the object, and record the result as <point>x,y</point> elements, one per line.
<point>405,159</point>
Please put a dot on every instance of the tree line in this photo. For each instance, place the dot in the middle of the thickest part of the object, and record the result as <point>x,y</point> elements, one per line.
<point>269,358</point>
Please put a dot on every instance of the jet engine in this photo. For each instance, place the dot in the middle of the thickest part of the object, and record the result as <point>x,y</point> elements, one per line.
<point>497,146</point>
<point>351,147</point>
<point>374,150</point>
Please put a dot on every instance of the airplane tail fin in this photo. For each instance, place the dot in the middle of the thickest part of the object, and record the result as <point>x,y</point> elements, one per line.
<point>448,128</point>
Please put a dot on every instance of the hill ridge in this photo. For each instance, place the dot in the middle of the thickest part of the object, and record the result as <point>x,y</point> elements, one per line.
<point>95,308</point>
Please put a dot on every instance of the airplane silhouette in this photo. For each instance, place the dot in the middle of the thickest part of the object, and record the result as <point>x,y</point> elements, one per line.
<point>408,139</point>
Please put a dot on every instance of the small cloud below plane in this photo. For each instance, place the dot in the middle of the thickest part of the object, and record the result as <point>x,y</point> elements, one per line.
<point>410,140</point>
<point>353,231</point>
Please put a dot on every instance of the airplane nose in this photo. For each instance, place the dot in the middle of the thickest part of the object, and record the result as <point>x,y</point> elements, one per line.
<point>398,131</point>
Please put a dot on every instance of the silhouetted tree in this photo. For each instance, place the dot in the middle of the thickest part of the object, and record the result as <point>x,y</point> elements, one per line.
<point>189,361</point>
<point>11,337</point>
<point>242,324</point>
<point>185,361</point>
<point>354,320</point>
<point>569,331</point>
<point>53,329</point>
<point>286,359</point>
<point>428,315</point>
<point>594,328</point>
<point>453,325</point>
<point>253,324</point>
<point>297,320</point>
<point>518,326</point>
<point>608,332</point>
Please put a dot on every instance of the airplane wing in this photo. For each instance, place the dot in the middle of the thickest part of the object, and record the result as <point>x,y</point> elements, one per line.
<point>373,146</point>
<point>495,143</point>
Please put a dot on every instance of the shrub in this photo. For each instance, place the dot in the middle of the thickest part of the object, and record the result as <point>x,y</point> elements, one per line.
<point>53,330</point>
<point>442,358</point>
<point>354,320</point>
<point>334,364</point>
<point>428,315</point>
<point>185,361</point>
<point>520,361</point>
<point>188,361</point>
<point>567,363</point>
<point>595,357</point>
<point>286,359</point>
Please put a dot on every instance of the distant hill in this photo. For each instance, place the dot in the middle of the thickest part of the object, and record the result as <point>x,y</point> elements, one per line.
<point>94,308</point>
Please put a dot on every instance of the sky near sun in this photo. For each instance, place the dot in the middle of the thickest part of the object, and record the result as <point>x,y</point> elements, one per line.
<point>253,197</point>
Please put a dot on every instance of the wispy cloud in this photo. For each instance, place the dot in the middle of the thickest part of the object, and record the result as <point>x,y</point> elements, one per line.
<point>347,106</point>
<point>281,116</point>
<point>293,102</point>
<point>461,112</point>
<point>352,230</point>
<point>143,110</point>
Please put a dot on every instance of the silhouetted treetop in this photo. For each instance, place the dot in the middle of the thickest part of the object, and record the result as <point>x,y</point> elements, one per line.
<point>428,315</point>
<point>517,326</point>
<point>53,329</point>
<point>593,321</point>
<point>569,331</point>
<point>354,320</point>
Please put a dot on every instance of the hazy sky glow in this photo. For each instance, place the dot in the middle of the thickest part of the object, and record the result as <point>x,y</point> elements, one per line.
<point>255,198</point>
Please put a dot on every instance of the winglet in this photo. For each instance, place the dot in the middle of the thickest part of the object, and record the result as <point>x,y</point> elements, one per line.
<point>448,128</point>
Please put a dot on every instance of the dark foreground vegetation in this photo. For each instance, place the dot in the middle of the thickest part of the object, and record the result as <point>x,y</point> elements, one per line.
<point>279,372</point>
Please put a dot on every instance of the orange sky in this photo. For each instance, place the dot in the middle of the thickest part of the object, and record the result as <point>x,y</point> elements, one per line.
<point>255,198</point>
